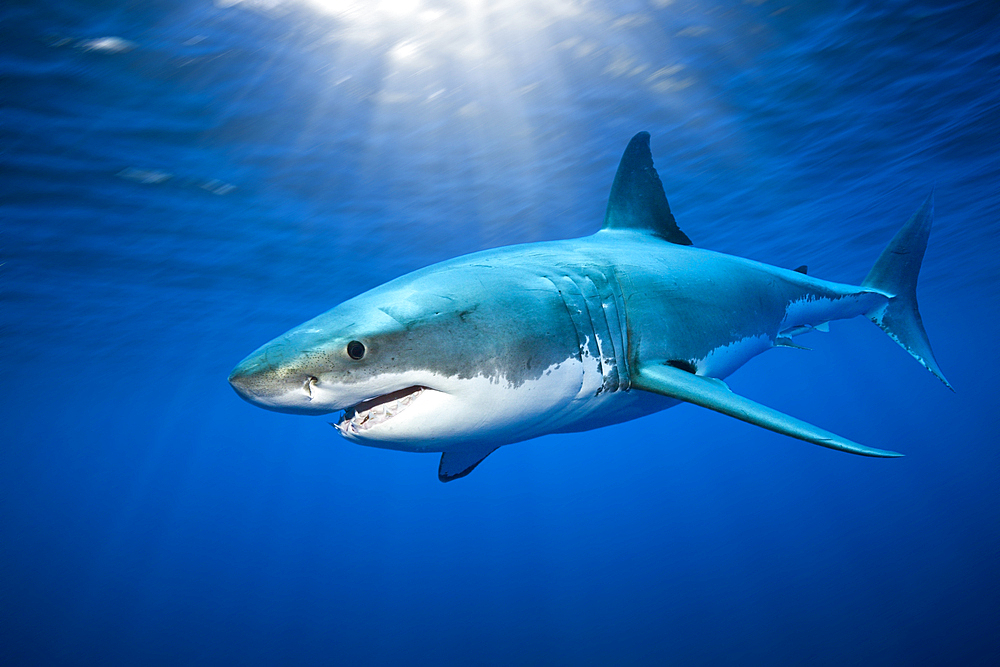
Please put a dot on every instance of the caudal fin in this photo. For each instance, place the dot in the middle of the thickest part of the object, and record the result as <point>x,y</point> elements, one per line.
<point>895,273</point>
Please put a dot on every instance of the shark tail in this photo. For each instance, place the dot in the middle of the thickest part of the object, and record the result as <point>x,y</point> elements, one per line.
<point>895,274</point>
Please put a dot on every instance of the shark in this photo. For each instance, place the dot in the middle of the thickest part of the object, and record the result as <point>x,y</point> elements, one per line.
<point>508,344</point>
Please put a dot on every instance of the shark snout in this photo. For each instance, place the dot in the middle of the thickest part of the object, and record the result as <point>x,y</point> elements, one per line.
<point>255,381</point>
<point>267,380</point>
<point>242,380</point>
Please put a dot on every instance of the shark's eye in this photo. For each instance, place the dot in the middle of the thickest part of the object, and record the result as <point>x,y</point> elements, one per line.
<point>355,350</point>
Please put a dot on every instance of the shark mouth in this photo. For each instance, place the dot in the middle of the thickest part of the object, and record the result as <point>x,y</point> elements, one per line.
<point>378,410</point>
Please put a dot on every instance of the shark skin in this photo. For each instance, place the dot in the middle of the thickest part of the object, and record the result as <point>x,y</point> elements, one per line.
<point>510,344</point>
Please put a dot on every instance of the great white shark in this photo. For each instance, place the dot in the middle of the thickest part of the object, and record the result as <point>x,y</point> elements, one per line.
<point>509,344</point>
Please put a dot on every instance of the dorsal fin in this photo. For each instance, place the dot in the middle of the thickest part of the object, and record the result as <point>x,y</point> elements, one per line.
<point>637,200</point>
<point>802,269</point>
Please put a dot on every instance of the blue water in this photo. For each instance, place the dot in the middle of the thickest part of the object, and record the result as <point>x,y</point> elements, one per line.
<point>219,172</point>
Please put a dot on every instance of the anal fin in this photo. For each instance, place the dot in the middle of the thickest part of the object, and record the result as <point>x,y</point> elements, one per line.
<point>784,341</point>
<point>460,463</point>
<point>715,395</point>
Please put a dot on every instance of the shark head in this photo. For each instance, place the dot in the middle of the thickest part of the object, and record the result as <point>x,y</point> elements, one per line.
<point>427,361</point>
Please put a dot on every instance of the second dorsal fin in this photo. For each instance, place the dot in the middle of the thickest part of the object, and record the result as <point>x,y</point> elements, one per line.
<point>637,200</point>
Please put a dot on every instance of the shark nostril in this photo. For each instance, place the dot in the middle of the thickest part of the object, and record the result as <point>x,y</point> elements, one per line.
<point>308,385</point>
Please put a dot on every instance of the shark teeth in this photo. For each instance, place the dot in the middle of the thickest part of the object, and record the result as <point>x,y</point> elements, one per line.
<point>375,411</point>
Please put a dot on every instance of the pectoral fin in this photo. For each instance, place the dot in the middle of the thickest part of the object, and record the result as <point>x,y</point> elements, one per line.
<point>715,395</point>
<point>460,463</point>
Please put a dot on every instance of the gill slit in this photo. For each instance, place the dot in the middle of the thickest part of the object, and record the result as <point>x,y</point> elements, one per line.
<point>600,335</point>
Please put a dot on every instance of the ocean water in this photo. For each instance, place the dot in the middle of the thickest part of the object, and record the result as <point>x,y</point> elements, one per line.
<point>182,181</point>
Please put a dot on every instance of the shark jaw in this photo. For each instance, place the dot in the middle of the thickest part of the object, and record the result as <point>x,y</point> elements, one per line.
<point>419,410</point>
<point>366,410</point>
<point>376,411</point>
